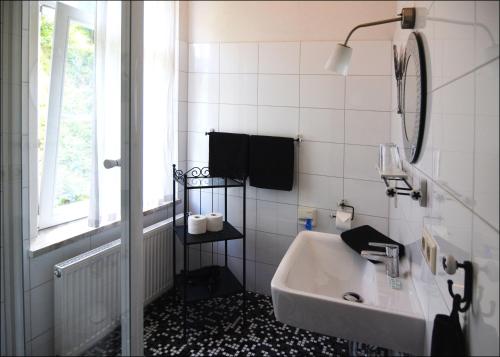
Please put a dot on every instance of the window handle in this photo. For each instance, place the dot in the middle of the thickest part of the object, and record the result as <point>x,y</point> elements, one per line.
<point>108,164</point>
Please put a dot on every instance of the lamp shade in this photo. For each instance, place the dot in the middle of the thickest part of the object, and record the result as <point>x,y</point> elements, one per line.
<point>338,62</point>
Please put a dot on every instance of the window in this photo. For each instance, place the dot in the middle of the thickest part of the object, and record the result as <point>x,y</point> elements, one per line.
<point>66,102</point>
<point>78,108</point>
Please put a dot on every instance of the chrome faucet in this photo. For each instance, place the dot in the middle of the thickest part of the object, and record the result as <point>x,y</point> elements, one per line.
<point>390,257</point>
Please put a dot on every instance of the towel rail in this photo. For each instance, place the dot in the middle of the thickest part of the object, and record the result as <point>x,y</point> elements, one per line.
<point>297,139</point>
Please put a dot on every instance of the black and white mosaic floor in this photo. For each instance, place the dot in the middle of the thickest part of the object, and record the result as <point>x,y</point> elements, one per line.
<point>215,329</point>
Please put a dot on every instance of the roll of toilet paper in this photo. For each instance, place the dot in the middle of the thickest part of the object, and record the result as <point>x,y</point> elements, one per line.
<point>214,222</point>
<point>197,224</point>
<point>343,220</point>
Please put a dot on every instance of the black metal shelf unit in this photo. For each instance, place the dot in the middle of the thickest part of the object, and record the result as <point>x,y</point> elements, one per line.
<point>222,281</point>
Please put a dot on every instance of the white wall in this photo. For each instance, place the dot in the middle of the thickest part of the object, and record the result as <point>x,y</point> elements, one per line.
<point>233,21</point>
<point>460,162</point>
<point>281,89</point>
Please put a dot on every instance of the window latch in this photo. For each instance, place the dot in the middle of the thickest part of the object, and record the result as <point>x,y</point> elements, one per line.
<point>108,164</point>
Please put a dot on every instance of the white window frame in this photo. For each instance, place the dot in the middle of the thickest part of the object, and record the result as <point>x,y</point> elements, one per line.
<point>48,214</point>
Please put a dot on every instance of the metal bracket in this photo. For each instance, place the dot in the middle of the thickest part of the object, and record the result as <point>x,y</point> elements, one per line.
<point>419,195</point>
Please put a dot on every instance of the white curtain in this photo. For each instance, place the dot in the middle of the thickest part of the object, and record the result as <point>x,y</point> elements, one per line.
<point>105,188</point>
<point>159,79</point>
<point>159,109</point>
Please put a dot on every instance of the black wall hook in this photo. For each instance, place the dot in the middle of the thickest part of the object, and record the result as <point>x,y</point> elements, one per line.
<point>466,300</point>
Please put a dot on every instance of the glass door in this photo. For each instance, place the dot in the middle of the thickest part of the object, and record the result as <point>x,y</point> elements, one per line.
<point>85,174</point>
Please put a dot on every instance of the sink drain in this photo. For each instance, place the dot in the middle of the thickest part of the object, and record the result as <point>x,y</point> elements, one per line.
<point>352,297</point>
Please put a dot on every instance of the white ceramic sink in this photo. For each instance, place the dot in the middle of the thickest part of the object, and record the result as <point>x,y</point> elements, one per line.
<point>310,282</point>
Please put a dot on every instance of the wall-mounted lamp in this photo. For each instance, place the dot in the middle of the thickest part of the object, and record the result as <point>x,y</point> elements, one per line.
<point>338,62</point>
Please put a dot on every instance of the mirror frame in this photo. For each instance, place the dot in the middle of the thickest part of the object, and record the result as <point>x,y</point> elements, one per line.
<point>415,49</point>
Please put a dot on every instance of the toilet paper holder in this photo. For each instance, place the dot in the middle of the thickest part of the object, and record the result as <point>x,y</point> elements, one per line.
<point>343,205</point>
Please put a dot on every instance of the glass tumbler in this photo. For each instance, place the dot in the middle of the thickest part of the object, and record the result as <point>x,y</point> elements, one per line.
<point>389,161</point>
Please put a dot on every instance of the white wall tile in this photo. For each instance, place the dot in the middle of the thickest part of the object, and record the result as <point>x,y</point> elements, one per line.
<point>203,87</point>
<point>183,86</point>
<point>279,57</point>
<point>322,125</point>
<point>183,56</point>
<point>277,218</point>
<point>313,56</point>
<point>203,117</point>
<point>270,248</point>
<point>367,127</point>
<point>278,121</point>
<point>321,158</point>
<point>183,116</point>
<point>182,150</point>
<point>197,147</point>
<point>238,119</point>
<point>43,345</point>
<point>484,324</point>
<point>278,90</point>
<point>239,57</point>
<point>235,211</point>
<point>263,275</point>
<point>368,93</point>
<point>360,162</point>
<point>454,33</point>
<point>42,308</point>
<point>319,191</point>
<point>322,91</point>
<point>204,57</point>
<point>486,32</point>
<point>236,266</point>
<point>289,197</point>
<point>371,58</point>
<point>380,224</point>
<point>42,266</point>
<point>235,247</point>
<point>486,144</point>
<point>238,88</point>
<point>367,197</point>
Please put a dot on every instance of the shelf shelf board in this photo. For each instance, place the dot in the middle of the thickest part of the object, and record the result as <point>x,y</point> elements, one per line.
<point>225,284</point>
<point>208,182</point>
<point>228,233</point>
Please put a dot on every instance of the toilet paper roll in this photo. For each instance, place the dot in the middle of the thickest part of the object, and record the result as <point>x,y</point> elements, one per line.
<point>214,222</point>
<point>197,224</point>
<point>343,220</point>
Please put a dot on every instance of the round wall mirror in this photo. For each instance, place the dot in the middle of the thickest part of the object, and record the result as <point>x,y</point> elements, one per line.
<point>414,96</point>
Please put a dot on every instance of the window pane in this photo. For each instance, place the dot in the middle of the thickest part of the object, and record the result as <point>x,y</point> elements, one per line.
<point>46,32</point>
<point>74,150</point>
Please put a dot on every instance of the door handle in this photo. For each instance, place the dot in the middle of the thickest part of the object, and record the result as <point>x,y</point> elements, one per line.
<point>108,164</point>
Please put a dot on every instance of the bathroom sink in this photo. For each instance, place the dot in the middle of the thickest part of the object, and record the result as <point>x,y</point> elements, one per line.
<point>319,269</point>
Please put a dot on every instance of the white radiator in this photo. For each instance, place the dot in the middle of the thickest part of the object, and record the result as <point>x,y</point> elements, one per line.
<point>87,289</point>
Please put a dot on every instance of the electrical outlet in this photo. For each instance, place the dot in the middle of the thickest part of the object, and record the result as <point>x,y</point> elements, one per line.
<point>428,246</point>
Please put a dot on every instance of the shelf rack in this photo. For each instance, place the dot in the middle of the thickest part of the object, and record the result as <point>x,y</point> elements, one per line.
<point>222,282</point>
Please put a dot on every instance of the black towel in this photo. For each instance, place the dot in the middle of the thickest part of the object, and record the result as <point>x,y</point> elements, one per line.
<point>447,335</point>
<point>271,162</point>
<point>228,155</point>
<point>358,239</point>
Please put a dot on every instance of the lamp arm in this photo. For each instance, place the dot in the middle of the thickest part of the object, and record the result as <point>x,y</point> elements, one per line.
<point>394,19</point>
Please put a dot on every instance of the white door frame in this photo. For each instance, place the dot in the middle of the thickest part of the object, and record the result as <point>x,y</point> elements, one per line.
<point>131,178</point>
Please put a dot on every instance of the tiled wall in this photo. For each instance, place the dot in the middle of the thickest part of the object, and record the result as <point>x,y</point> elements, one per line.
<point>460,163</point>
<point>282,89</point>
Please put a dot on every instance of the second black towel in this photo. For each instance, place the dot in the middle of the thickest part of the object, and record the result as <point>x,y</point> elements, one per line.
<point>271,161</point>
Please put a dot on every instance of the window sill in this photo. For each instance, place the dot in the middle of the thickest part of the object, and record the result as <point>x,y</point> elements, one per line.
<point>52,238</point>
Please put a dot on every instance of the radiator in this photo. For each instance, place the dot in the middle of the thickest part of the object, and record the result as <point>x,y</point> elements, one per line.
<point>87,289</point>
